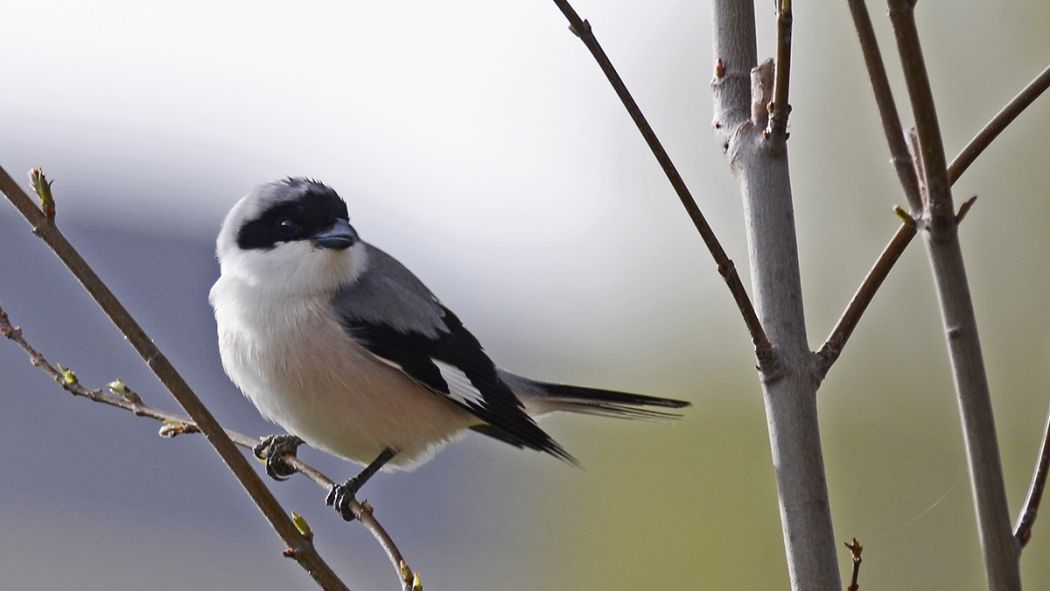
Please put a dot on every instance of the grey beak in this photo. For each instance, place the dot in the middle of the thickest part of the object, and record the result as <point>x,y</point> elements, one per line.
<point>340,236</point>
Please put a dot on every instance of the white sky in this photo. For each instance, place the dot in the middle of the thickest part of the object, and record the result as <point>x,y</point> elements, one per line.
<point>478,141</point>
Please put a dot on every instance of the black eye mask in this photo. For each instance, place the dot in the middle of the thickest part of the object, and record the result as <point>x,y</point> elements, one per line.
<point>315,209</point>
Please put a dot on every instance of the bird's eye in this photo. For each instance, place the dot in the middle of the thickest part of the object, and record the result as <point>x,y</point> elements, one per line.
<point>287,227</point>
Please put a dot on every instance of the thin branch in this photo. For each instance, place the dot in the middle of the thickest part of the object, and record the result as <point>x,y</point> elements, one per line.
<point>855,550</point>
<point>130,401</point>
<point>931,145</point>
<point>832,348</point>
<point>1005,117</point>
<point>891,121</point>
<point>999,547</point>
<point>781,108</point>
<point>836,341</point>
<point>1025,521</point>
<point>582,29</point>
<point>829,353</point>
<point>45,228</point>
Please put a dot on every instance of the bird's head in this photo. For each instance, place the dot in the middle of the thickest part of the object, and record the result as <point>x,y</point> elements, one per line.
<point>292,235</point>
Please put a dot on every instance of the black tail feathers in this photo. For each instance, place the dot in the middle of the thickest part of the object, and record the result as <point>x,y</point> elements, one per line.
<point>540,398</point>
<point>609,403</point>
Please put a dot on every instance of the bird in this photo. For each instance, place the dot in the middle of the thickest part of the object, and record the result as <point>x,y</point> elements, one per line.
<point>344,348</point>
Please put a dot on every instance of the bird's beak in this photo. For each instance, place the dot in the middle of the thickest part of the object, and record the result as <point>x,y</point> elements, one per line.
<point>340,236</point>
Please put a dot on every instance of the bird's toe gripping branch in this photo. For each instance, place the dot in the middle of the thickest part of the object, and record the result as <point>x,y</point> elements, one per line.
<point>273,450</point>
<point>342,496</point>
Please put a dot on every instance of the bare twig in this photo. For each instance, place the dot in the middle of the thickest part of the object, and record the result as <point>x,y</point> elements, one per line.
<point>832,348</point>
<point>960,324</point>
<point>781,108</point>
<point>891,121</point>
<point>1003,118</point>
<point>127,399</point>
<point>965,209</point>
<point>45,228</point>
<point>855,549</point>
<point>829,353</point>
<point>1025,521</point>
<point>726,267</point>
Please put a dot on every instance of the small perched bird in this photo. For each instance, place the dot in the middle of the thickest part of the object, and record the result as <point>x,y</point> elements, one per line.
<point>341,345</point>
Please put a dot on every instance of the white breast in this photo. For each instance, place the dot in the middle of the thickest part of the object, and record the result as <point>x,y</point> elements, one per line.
<point>290,356</point>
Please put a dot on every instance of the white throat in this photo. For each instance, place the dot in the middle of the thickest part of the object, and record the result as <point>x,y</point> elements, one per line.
<point>294,268</point>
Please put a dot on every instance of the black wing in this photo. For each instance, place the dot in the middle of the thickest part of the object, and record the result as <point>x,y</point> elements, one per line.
<point>406,326</point>
<point>453,364</point>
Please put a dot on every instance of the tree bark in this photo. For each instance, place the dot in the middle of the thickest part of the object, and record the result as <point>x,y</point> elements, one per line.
<point>759,162</point>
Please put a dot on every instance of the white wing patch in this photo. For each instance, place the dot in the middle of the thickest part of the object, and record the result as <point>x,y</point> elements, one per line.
<point>460,387</point>
<point>392,364</point>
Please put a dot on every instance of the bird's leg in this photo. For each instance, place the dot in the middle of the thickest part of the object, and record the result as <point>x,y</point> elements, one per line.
<point>273,449</point>
<point>341,494</point>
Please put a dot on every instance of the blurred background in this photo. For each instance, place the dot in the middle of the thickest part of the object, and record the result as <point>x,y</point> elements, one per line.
<point>479,143</point>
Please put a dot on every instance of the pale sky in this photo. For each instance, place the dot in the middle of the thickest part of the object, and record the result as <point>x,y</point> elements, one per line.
<point>480,144</point>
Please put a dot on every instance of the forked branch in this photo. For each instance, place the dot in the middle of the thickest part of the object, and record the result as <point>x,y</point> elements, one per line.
<point>759,162</point>
<point>891,121</point>
<point>940,227</point>
<point>840,334</point>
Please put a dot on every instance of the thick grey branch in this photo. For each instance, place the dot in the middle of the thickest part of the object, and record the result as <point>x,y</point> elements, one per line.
<point>759,162</point>
<point>735,54</point>
<point>1001,551</point>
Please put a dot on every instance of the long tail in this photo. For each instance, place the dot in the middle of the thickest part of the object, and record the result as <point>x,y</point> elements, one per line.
<point>541,398</point>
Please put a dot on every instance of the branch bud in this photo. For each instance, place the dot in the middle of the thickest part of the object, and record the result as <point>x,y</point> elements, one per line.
<point>304,528</point>
<point>42,186</point>
<point>68,377</point>
<point>172,428</point>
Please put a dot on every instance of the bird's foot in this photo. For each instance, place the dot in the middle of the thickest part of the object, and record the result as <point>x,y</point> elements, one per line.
<point>342,496</point>
<point>273,449</point>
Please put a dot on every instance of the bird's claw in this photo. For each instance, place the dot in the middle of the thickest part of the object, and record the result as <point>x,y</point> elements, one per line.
<point>273,449</point>
<point>341,496</point>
